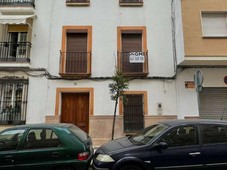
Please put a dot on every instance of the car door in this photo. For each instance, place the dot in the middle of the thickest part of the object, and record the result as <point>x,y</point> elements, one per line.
<point>214,145</point>
<point>42,149</point>
<point>183,150</point>
<point>9,141</point>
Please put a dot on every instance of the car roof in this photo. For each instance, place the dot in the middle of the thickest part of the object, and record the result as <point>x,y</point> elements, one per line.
<point>42,125</point>
<point>177,122</point>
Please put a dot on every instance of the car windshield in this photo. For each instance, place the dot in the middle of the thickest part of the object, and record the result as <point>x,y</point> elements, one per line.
<point>147,134</point>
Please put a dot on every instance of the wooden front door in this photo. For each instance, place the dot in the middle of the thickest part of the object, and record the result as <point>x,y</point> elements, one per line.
<point>75,109</point>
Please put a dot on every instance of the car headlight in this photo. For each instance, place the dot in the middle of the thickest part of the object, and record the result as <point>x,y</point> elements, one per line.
<point>104,158</point>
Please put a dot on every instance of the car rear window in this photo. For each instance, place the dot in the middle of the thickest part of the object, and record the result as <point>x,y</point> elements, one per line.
<point>78,132</point>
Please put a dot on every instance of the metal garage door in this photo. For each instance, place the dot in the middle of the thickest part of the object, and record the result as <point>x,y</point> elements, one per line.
<point>213,103</point>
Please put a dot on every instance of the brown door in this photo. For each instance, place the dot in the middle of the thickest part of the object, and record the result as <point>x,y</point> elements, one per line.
<point>75,109</point>
<point>76,58</point>
<point>131,42</point>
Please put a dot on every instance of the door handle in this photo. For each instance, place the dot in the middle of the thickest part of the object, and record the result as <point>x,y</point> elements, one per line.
<point>55,154</point>
<point>9,158</point>
<point>194,154</point>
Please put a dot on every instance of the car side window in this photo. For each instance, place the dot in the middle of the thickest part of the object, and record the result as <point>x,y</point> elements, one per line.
<point>181,136</point>
<point>10,139</point>
<point>41,138</point>
<point>213,134</point>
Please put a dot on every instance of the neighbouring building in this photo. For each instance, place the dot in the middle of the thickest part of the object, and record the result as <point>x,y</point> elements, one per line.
<point>57,58</point>
<point>201,37</point>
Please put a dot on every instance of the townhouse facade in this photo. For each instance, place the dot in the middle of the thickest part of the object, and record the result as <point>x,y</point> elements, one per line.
<point>57,58</point>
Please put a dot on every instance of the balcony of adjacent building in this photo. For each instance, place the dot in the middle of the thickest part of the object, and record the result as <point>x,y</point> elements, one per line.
<point>15,47</point>
<point>75,64</point>
<point>133,64</point>
<point>77,2</point>
<point>17,7</point>
<point>131,2</point>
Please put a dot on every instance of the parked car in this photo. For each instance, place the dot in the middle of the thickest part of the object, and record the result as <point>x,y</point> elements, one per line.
<point>45,146</point>
<point>177,144</point>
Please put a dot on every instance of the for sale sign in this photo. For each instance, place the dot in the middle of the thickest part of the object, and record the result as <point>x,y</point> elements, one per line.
<point>136,57</point>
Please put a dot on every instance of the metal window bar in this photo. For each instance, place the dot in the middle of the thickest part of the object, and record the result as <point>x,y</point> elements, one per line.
<point>133,113</point>
<point>17,2</point>
<point>76,62</point>
<point>15,52</point>
<point>13,102</point>
<point>128,67</point>
<point>77,1</point>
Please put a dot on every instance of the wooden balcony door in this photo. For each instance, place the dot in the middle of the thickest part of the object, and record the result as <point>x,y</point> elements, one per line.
<point>75,109</point>
<point>76,54</point>
<point>131,42</point>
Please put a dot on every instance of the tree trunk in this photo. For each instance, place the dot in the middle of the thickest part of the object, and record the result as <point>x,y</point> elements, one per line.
<point>114,118</point>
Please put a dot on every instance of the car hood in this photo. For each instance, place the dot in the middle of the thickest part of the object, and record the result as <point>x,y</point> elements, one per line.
<point>115,145</point>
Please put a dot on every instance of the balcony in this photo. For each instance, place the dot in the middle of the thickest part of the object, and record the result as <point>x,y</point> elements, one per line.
<point>133,63</point>
<point>15,54</point>
<point>77,2</point>
<point>9,7</point>
<point>131,2</point>
<point>75,64</point>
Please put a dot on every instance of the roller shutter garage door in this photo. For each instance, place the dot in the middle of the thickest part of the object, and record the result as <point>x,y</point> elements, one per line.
<point>213,103</point>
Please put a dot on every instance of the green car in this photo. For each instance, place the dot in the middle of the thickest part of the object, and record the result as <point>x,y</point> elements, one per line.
<point>45,146</point>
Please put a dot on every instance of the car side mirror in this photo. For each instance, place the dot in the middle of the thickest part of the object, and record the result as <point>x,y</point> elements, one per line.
<point>160,146</point>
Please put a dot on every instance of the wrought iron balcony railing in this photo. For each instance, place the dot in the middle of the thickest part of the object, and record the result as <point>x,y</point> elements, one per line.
<point>17,3</point>
<point>15,52</point>
<point>75,63</point>
<point>133,63</point>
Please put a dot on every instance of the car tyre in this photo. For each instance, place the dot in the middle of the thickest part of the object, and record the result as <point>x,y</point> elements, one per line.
<point>131,167</point>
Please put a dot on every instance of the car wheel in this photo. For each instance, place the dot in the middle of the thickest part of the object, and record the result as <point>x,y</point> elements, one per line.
<point>131,167</point>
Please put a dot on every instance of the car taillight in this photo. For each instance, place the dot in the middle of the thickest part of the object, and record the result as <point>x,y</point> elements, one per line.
<point>83,156</point>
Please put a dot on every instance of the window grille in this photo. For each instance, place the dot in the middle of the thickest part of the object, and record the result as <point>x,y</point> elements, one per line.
<point>133,113</point>
<point>13,101</point>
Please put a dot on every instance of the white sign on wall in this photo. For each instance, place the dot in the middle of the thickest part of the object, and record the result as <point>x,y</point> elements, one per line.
<point>136,57</point>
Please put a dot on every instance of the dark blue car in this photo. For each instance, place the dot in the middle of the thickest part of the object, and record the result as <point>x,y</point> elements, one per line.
<point>178,144</point>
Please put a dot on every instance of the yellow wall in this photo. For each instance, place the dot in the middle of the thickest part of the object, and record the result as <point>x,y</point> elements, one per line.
<point>195,44</point>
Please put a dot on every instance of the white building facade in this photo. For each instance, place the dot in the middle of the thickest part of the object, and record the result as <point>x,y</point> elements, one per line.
<point>69,52</point>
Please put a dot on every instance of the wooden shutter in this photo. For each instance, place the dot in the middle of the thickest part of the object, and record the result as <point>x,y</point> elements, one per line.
<point>133,113</point>
<point>76,57</point>
<point>76,42</point>
<point>131,42</point>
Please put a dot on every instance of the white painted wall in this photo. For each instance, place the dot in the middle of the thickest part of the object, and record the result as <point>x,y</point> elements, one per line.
<point>188,102</point>
<point>104,16</point>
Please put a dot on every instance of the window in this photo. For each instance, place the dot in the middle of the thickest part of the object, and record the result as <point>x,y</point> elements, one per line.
<point>132,51</point>
<point>10,139</point>
<point>131,2</point>
<point>181,136</point>
<point>133,113</point>
<point>15,46</point>
<point>214,24</point>
<point>76,51</point>
<point>77,2</point>
<point>42,138</point>
<point>13,101</point>
<point>213,134</point>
